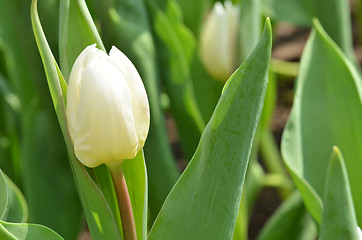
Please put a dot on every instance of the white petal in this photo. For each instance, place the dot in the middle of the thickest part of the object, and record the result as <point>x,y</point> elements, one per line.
<point>105,128</point>
<point>218,41</point>
<point>140,106</point>
<point>213,42</point>
<point>359,233</point>
<point>87,55</point>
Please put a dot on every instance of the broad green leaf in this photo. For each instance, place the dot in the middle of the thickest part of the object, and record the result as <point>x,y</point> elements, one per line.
<point>334,16</point>
<point>24,231</point>
<point>4,199</point>
<point>180,45</point>
<point>17,208</point>
<point>76,32</point>
<point>125,24</point>
<point>205,201</point>
<point>101,221</point>
<point>327,111</point>
<point>339,218</point>
<point>136,177</point>
<point>290,221</point>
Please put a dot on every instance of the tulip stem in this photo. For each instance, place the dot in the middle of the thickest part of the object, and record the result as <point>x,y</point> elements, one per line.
<point>124,202</point>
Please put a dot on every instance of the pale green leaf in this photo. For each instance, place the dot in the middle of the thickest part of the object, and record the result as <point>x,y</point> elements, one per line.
<point>17,208</point>
<point>327,111</point>
<point>4,199</point>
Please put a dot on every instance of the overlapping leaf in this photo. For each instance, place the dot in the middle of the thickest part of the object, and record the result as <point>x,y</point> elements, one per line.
<point>327,111</point>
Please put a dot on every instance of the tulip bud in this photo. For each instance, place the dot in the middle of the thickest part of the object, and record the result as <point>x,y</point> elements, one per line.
<point>107,108</point>
<point>218,40</point>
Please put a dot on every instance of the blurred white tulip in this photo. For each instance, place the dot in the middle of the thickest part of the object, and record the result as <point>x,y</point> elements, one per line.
<point>107,108</point>
<point>218,40</point>
<point>359,233</point>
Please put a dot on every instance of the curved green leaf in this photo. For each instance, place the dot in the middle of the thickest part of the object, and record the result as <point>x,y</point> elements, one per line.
<point>17,207</point>
<point>25,231</point>
<point>4,199</point>
<point>327,111</point>
<point>339,219</point>
<point>205,201</point>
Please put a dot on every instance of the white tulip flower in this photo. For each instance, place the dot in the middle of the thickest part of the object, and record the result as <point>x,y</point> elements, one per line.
<point>218,40</point>
<point>107,108</point>
<point>359,233</point>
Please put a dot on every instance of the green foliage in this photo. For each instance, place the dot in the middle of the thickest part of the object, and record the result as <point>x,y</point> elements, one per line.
<point>180,48</point>
<point>209,191</point>
<point>326,112</point>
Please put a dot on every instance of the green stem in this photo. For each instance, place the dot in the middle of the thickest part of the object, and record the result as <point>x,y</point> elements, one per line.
<point>272,159</point>
<point>284,68</point>
<point>124,202</point>
<point>278,181</point>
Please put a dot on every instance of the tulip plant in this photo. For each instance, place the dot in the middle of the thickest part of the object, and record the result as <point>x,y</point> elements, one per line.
<point>94,157</point>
